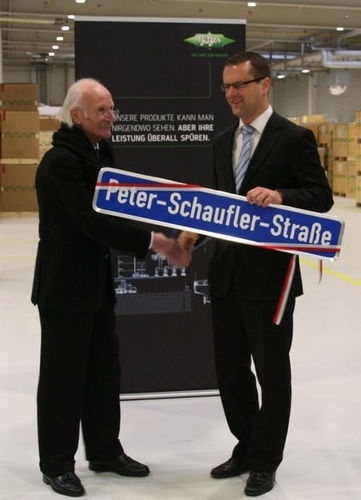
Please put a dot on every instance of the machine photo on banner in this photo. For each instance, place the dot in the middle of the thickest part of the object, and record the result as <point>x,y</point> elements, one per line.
<point>165,77</point>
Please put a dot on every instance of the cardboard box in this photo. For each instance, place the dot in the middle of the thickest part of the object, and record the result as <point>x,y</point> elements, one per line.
<point>19,134</point>
<point>341,131</point>
<point>358,189</point>
<point>352,142</point>
<point>313,118</point>
<point>351,176</point>
<point>45,141</point>
<point>18,192</point>
<point>344,178</point>
<point>339,170</point>
<point>48,123</point>
<point>340,141</point>
<point>325,133</point>
<point>19,96</point>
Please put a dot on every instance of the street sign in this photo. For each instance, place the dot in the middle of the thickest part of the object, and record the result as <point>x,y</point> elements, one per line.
<point>217,214</point>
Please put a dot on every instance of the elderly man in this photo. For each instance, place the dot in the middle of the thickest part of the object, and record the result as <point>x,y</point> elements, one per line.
<point>79,380</point>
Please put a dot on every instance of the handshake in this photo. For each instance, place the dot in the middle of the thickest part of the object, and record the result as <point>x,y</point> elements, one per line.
<point>179,251</point>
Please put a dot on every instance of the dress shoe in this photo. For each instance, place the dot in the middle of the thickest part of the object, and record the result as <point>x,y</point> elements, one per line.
<point>123,465</point>
<point>259,483</point>
<point>66,484</point>
<point>230,468</point>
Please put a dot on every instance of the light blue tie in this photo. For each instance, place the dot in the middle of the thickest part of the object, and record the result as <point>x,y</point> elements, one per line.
<point>245,154</point>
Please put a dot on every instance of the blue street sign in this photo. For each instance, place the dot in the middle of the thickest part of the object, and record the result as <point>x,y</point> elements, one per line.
<point>217,214</point>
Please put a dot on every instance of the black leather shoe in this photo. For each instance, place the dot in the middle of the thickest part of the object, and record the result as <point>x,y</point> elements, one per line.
<point>230,468</point>
<point>259,483</point>
<point>123,465</point>
<point>67,484</point>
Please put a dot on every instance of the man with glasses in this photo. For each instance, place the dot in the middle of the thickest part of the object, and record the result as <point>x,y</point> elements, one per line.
<point>269,160</point>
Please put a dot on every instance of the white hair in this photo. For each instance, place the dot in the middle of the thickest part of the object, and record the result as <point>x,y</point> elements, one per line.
<point>74,98</point>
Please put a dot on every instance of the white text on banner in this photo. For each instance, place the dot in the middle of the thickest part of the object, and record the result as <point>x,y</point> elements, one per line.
<point>217,214</point>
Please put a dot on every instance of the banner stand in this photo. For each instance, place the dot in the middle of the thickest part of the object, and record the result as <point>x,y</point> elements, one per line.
<point>164,75</point>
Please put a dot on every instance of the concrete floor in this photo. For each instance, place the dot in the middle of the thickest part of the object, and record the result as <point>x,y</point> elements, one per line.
<point>182,439</point>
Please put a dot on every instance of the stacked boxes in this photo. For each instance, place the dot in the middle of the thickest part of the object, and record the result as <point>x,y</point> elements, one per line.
<point>358,159</point>
<point>48,125</point>
<point>316,123</point>
<point>313,118</point>
<point>344,178</point>
<point>311,122</point>
<point>19,135</point>
<point>352,141</point>
<point>326,132</point>
<point>340,141</point>
<point>339,147</point>
<point>358,189</point>
<point>18,187</point>
<point>344,156</point>
<point>19,96</point>
<point>19,146</point>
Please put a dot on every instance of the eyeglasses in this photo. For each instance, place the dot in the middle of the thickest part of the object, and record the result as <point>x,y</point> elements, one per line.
<point>240,85</point>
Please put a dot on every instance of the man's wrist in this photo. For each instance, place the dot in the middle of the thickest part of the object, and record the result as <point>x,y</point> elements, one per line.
<point>279,191</point>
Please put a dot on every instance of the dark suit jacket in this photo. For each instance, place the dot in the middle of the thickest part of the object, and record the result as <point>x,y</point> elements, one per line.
<point>73,270</point>
<point>286,158</point>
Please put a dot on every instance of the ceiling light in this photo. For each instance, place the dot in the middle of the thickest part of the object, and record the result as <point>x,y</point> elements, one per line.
<point>340,28</point>
<point>305,70</point>
<point>55,47</point>
<point>65,28</point>
<point>337,89</point>
<point>280,76</point>
<point>252,4</point>
<point>59,38</point>
<point>80,1</point>
<point>71,16</point>
<point>51,53</point>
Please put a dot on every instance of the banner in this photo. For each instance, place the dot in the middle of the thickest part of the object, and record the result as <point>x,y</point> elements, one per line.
<point>164,75</point>
<point>219,214</point>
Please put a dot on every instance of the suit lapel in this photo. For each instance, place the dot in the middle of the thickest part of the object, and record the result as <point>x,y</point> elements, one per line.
<point>228,183</point>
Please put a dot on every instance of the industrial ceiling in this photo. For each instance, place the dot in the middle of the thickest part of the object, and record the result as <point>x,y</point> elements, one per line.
<point>314,34</point>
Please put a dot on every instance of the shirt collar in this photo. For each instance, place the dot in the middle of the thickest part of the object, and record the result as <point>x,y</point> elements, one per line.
<point>260,122</point>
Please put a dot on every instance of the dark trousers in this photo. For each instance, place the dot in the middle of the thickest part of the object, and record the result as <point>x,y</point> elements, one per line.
<point>79,383</point>
<point>243,331</point>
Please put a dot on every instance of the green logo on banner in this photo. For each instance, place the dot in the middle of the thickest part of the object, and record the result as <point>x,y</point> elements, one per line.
<point>209,40</point>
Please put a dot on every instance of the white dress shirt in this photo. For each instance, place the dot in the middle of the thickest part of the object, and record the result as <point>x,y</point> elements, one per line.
<point>258,124</point>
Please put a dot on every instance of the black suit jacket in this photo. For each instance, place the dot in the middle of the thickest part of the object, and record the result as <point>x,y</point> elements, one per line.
<point>286,158</point>
<point>73,271</point>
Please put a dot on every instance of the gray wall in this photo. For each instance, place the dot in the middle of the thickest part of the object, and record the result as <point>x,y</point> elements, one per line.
<point>307,95</point>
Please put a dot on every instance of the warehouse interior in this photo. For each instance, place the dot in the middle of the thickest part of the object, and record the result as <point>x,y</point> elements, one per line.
<point>314,48</point>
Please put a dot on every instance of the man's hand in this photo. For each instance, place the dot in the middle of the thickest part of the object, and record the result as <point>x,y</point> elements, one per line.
<point>171,249</point>
<point>263,197</point>
<point>186,240</point>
